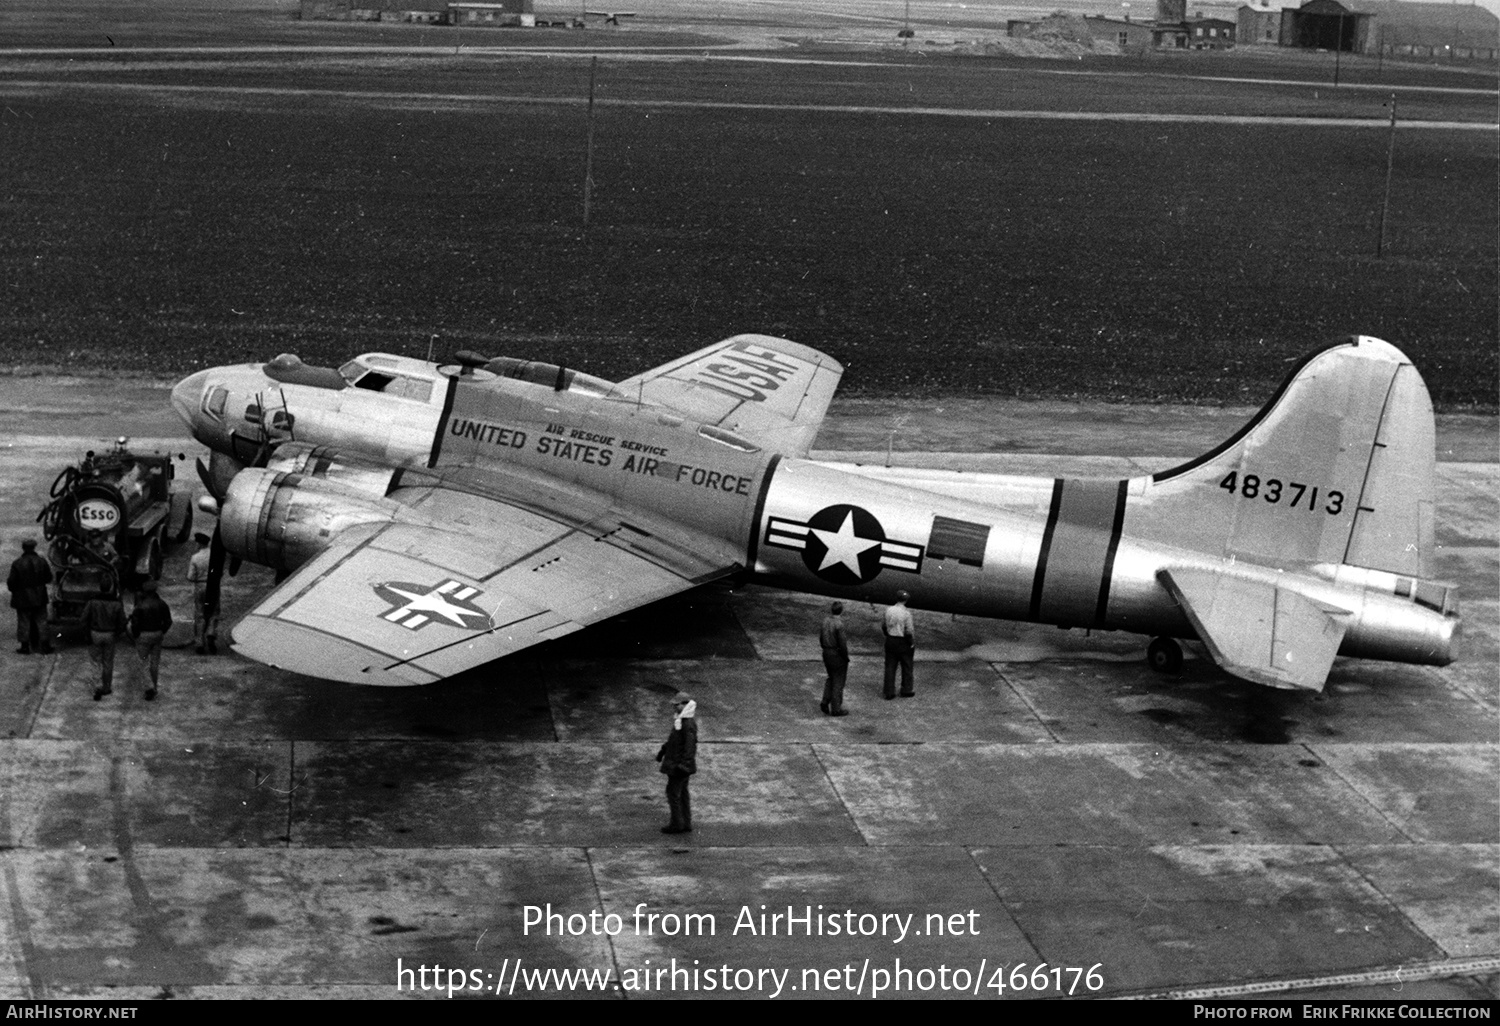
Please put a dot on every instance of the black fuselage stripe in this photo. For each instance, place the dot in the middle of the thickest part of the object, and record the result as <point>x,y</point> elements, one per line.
<point>753,548</point>
<point>437,439</point>
<point>1041,558</point>
<point>1116,529</point>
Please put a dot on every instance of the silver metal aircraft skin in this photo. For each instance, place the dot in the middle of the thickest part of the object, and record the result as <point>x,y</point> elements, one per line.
<point>433,518</point>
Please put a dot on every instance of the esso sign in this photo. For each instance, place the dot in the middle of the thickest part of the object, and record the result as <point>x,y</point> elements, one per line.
<point>98,515</point>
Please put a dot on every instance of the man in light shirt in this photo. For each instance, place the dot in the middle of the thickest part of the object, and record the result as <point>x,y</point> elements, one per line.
<point>205,604</point>
<point>900,646</point>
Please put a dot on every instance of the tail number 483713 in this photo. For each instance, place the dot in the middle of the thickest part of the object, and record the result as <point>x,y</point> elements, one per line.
<point>1276,492</point>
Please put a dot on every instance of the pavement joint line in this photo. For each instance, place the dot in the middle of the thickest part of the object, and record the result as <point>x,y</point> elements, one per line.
<point>36,711</point>
<point>1379,812</point>
<point>834,787</point>
<point>24,958</point>
<point>1482,701</point>
<point>1391,903</point>
<point>614,954</point>
<point>1400,974</point>
<point>291,792</point>
<point>1041,720</point>
<point>33,987</point>
<point>989,882</point>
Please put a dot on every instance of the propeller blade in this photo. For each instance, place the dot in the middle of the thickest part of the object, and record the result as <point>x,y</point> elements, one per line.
<point>221,471</point>
<point>207,477</point>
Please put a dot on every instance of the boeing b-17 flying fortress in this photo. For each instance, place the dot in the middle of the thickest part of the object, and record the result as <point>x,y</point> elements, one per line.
<point>433,518</point>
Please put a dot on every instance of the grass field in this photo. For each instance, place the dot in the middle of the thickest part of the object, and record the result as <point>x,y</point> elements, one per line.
<point>1185,261</point>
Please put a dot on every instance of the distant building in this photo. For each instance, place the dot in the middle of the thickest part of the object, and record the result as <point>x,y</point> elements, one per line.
<point>1394,27</point>
<point>510,12</point>
<point>430,12</point>
<point>1259,23</point>
<point>1124,33</point>
<point>1210,33</point>
<point>1462,31</point>
<point>1060,26</point>
<point>1169,31</point>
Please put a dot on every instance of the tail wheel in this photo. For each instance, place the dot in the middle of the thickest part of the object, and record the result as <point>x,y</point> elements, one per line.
<point>1164,655</point>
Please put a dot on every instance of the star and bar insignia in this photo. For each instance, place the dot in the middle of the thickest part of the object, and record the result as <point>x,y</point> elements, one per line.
<point>844,544</point>
<point>414,606</point>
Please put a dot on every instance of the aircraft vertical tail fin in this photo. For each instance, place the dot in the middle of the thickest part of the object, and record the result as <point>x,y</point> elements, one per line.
<point>1338,468</point>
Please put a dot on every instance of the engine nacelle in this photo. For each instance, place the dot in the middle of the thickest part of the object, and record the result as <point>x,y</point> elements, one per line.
<point>323,463</point>
<point>282,520</point>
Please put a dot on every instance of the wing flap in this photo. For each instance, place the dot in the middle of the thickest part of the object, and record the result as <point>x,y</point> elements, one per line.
<point>1258,630</point>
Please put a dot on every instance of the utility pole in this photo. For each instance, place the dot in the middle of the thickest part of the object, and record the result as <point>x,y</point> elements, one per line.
<point>1338,49</point>
<point>588,164</point>
<point>1390,159</point>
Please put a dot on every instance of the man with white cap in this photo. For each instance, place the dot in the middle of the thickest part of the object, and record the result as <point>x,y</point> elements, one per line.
<point>679,761</point>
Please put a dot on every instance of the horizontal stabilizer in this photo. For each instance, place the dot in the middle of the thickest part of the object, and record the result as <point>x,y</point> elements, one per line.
<point>1258,630</point>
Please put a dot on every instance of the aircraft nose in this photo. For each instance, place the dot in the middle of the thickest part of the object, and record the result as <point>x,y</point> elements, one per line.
<point>186,396</point>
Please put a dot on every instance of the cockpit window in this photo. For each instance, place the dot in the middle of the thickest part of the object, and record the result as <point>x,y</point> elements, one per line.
<point>352,370</point>
<point>214,401</point>
<point>374,381</point>
<point>419,389</point>
<point>399,385</point>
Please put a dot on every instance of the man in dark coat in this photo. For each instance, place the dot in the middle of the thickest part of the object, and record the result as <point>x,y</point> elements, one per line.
<point>149,622</point>
<point>835,647</point>
<point>28,580</point>
<point>679,761</point>
<point>104,619</point>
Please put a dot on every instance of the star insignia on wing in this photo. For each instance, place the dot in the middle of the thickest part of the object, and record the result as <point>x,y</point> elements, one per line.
<point>415,606</point>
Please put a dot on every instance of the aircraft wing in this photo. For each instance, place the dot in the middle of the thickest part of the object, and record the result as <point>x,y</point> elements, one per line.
<point>768,389</point>
<point>411,603</point>
<point>1259,631</point>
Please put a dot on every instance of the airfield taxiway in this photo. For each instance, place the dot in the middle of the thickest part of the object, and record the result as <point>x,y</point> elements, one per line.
<point>1044,799</point>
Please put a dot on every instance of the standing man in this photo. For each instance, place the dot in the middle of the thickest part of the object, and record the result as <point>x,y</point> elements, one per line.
<point>104,619</point>
<point>679,761</point>
<point>149,621</point>
<point>205,605</point>
<point>835,661</point>
<point>28,580</point>
<point>900,646</point>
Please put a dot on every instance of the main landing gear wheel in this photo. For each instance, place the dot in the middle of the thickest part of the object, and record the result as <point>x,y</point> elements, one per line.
<point>1164,655</point>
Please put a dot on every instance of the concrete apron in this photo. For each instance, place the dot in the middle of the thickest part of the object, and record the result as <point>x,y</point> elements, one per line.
<point>1044,798</point>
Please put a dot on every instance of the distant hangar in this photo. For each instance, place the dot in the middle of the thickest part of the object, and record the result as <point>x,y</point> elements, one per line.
<point>1390,27</point>
<point>423,12</point>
